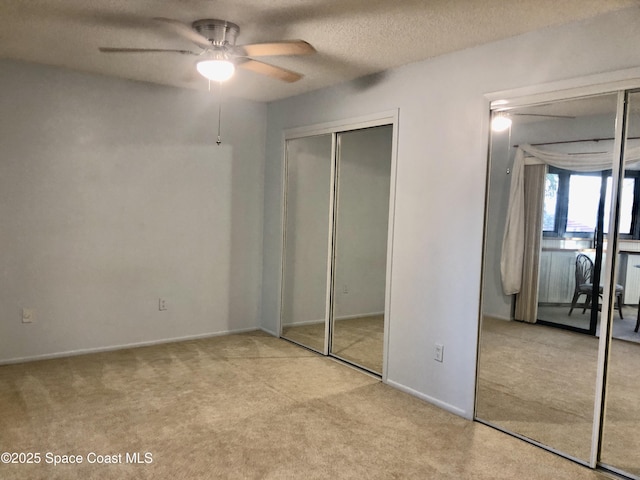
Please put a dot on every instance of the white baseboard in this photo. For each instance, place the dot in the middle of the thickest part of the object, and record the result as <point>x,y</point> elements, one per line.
<point>359,315</point>
<point>270,332</point>
<point>438,403</point>
<point>499,317</point>
<point>305,322</point>
<point>84,351</point>
<point>344,317</point>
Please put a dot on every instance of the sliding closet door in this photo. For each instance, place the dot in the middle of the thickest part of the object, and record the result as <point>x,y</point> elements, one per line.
<point>308,205</point>
<point>360,245</point>
<point>620,446</point>
<point>538,364</point>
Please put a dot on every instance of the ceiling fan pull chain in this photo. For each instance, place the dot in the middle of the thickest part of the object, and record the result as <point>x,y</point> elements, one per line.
<point>219,141</point>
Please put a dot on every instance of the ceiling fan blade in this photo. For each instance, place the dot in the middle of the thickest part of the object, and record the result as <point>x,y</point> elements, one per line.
<point>143,50</point>
<point>269,70</point>
<point>286,47</point>
<point>185,31</point>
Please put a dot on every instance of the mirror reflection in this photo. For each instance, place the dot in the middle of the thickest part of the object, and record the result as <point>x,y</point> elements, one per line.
<point>361,231</point>
<point>538,342</point>
<point>306,239</point>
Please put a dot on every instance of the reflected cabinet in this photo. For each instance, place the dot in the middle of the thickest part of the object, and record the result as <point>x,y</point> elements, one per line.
<point>336,230</point>
<point>559,354</point>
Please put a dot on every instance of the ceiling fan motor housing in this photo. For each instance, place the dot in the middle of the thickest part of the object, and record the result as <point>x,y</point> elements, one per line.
<point>219,32</point>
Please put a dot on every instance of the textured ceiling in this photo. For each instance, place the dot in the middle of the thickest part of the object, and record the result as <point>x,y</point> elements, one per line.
<point>353,37</point>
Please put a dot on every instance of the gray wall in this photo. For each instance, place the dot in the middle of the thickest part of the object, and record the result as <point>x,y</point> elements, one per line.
<point>442,158</point>
<point>113,194</point>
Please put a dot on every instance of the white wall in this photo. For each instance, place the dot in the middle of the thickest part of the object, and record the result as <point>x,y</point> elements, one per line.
<point>442,158</point>
<point>113,194</point>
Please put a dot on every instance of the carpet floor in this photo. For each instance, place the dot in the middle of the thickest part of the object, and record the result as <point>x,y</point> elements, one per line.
<point>540,382</point>
<point>623,329</point>
<point>356,340</point>
<point>247,406</point>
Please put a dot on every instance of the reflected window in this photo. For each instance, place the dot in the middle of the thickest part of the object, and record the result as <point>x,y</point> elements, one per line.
<point>571,205</point>
<point>584,197</point>
<point>626,205</point>
<point>551,185</point>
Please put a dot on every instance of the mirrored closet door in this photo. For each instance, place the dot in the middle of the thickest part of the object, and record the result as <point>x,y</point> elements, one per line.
<point>620,449</point>
<point>336,230</point>
<point>558,343</point>
<point>308,177</point>
<point>360,245</point>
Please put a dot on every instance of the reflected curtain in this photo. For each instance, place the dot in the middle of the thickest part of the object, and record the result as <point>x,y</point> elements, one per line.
<point>513,241</point>
<point>527,299</point>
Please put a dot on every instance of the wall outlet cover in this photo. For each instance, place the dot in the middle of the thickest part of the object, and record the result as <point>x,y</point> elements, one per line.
<point>162,304</point>
<point>27,315</point>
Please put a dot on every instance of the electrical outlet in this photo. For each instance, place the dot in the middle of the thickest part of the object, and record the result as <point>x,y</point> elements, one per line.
<point>27,315</point>
<point>345,289</point>
<point>162,304</point>
<point>439,352</point>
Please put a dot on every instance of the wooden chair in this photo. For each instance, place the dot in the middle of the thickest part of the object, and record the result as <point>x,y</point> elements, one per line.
<point>584,286</point>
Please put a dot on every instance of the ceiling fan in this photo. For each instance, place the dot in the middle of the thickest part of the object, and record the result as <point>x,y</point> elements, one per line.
<point>219,53</point>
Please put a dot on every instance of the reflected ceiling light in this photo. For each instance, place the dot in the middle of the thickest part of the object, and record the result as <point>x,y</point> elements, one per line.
<point>218,69</point>
<point>500,122</point>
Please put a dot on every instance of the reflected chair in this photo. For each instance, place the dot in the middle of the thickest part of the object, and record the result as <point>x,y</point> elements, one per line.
<point>584,285</point>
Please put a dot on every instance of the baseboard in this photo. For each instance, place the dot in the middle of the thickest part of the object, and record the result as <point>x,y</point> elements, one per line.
<point>305,322</point>
<point>499,317</point>
<point>359,315</point>
<point>438,403</point>
<point>270,332</point>
<point>344,317</point>
<point>85,351</point>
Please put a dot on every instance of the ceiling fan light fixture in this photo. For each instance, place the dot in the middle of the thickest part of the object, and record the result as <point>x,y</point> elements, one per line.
<point>500,123</point>
<point>219,53</point>
<point>218,70</point>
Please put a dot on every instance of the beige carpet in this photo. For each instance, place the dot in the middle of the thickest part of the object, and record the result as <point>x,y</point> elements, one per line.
<point>356,340</point>
<point>540,382</point>
<point>245,406</point>
<point>360,340</point>
<point>623,328</point>
<point>310,335</point>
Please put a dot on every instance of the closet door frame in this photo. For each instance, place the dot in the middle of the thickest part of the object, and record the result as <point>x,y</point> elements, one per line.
<point>389,117</point>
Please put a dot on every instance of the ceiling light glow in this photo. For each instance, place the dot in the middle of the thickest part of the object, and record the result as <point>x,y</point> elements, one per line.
<point>500,123</point>
<point>216,70</point>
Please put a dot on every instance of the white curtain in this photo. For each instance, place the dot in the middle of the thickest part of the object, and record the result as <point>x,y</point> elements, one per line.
<point>511,261</point>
